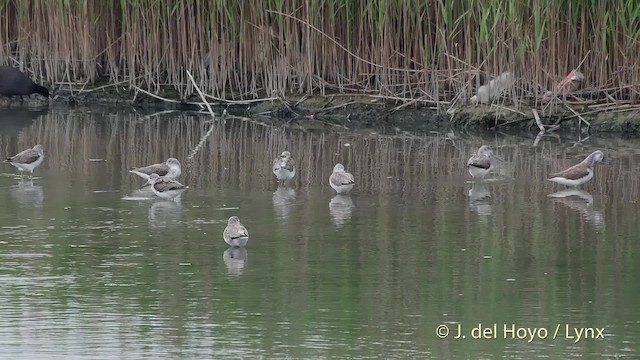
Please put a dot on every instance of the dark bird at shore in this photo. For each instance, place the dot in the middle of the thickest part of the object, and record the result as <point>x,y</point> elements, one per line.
<point>14,82</point>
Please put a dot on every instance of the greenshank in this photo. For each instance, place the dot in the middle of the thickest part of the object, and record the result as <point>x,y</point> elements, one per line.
<point>580,173</point>
<point>27,160</point>
<point>480,165</point>
<point>235,234</point>
<point>165,187</point>
<point>170,168</point>
<point>340,180</point>
<point>284,167</point>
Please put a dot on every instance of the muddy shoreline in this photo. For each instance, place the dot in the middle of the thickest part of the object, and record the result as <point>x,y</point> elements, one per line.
<point>354,112</point>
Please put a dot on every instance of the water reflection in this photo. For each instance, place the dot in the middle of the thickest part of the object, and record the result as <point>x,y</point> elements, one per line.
<point>352,293</point>
<point>28,194</point>
<point>15,119</point>
<point>340,208</point>
<point>235,259</point>
<point>164,213</point>
<point>143,193</point>
<point>480,199</point>
<point>580,201</point>
<point>283,201</point>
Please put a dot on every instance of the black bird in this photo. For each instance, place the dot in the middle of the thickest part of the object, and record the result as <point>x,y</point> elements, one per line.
<point>14,82</point>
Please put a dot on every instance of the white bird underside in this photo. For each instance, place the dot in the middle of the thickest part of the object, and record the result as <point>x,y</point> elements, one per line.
<point>341,189</point>
<point>283,174</point>
<point>28,167</point>
<point>569,182</point>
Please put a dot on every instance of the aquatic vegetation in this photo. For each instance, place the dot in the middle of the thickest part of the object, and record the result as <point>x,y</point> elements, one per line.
<point>427,51</point>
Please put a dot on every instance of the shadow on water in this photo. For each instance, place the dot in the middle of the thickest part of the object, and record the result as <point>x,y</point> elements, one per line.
<point>364,275</point>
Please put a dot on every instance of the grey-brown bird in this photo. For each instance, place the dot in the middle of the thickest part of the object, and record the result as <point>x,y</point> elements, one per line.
<point>480,164</point>
<point>284,167</point>
<point>166,187</point>
<point>580,173</point>
<point>235,234</point>
<point>27,160</point>
<point>340,180</point>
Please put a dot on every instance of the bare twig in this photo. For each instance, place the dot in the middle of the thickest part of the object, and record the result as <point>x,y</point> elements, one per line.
<point>213,115</point>
<point>578,115</point>
<point>538,121</point>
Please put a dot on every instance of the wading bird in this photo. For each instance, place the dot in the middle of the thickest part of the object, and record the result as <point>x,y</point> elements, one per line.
<point>340,180</point>
<point>27,160</point>
<point>284,167</point>
<point>170,169</point>
<point>481,164</point>
<point>165,187</point>
<point>235,234</point>
<point>580,173</point>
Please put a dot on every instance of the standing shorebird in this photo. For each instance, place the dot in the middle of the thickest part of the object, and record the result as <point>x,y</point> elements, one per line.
<point>235,234</point>
<point>284,167</point>
<point>340,180</point>
<point>481,164</point>
<point>170,168</point>
<point>27,160</point>
<point>580,173</point>
<point>165,187</point>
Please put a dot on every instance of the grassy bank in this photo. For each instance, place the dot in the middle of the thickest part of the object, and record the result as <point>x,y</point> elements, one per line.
<point>434,53</point>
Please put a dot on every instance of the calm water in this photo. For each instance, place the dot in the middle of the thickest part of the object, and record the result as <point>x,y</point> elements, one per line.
<point>92,268</point>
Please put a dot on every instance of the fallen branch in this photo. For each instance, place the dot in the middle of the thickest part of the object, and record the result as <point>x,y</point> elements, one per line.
<point>201,95</point>
<point>213,115</point>
<point>165,99</point>
<point>335,107</point>
<point>538,121</point>
<point>581,119</point>
<point>240,102</point>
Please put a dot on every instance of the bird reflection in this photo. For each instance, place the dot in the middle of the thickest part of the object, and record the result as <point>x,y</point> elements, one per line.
<point>28,194</point>
<point>480,199</point>
<point>16,119</point>
<point>164,213</point>
<point>235,259</point>
<point>340,208</point>
<point>283,200</point>
<point>144,193</point>
<point>580,201</point>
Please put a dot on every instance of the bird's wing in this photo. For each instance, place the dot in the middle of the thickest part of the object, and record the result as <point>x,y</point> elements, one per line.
<point>290,164</point>
<point>573,173</point>
<point>237,232</point>
<point>276,164</point>
<point>341,178</point>
<point>481,162</point>
<point>163,184</point>
<point>25,157</point>
<point>161,169</point>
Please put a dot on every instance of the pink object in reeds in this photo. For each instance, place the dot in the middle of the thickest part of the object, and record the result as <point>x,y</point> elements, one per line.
<point>566,86</point>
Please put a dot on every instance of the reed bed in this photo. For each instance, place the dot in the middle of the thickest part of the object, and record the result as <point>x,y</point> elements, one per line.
<point>429,52</point>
